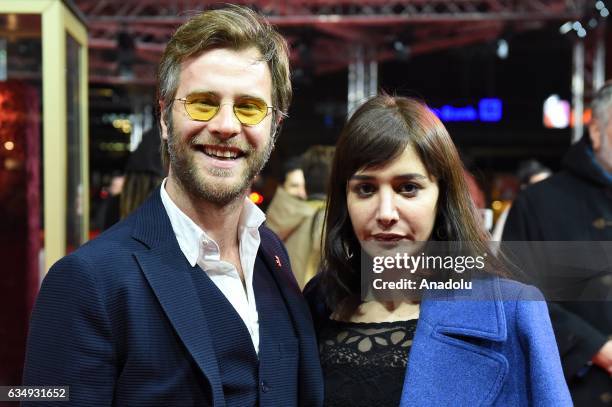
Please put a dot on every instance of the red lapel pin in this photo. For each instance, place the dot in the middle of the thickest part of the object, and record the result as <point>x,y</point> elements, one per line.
<point>278,262</point>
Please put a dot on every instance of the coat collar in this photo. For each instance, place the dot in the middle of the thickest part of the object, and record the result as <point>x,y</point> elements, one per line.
<point>452,360</point>
<point>479,314</point>
<point>167,272</point>
<point>580,161</point>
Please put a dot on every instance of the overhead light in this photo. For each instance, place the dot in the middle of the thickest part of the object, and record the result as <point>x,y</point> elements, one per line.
<point>502,49</point>
<point>566,27</point>
<point>556,113</point>
<point>402,51</point>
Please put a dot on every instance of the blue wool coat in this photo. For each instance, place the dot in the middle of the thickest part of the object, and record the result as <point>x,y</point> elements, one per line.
<point>493,348</point>
<point>120,322</point>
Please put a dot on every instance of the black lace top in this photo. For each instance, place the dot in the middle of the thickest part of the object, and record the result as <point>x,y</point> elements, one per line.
<point>364,364</point>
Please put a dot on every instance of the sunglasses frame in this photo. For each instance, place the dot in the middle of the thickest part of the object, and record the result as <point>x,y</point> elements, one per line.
<point>187,102</point>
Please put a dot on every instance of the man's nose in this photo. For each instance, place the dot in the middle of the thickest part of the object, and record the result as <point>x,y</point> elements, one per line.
<point>387,214</point>
<point>225,124</point>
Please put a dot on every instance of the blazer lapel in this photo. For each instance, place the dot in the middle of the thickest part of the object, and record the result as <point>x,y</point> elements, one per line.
<point>311,378</point>
<point>168,275</point>
<point>288,287</point>
<point>451,361</point>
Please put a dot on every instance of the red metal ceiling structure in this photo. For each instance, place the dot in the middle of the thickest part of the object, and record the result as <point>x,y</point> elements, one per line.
<point>127,37</point>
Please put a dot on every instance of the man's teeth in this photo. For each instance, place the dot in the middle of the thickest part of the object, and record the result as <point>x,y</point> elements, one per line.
<point>222,153</point>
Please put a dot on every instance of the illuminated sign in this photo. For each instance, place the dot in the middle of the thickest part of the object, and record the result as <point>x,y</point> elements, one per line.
<point>488,110</point>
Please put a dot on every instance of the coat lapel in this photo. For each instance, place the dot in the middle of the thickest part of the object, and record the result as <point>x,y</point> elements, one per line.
<point>452,361</point>
<point>167,272</point>
<point>287,285</point>
<point>310,375</point>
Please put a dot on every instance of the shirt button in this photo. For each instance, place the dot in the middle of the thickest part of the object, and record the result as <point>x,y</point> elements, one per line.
<point>264,386</point>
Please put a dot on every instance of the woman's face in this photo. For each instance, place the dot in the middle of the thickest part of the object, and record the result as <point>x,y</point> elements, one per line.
<point>393,204</point>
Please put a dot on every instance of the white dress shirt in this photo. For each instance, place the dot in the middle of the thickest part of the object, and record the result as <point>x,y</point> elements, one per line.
<point>201,249</point>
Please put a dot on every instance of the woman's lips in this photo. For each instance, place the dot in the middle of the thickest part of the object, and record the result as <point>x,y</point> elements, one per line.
<point>388,237</point>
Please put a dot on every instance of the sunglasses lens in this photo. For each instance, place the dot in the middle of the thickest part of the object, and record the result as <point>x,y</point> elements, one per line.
<point>251,111</point>
<point>201,109</point>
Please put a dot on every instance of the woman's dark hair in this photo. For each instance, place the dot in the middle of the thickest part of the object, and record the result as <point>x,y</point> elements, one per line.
<point>377,133</point>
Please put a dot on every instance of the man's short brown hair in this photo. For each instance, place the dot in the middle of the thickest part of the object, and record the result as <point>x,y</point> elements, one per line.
<point>232,27</point>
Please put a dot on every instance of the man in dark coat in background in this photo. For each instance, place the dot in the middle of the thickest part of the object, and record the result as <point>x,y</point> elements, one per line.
<point>576,205</point>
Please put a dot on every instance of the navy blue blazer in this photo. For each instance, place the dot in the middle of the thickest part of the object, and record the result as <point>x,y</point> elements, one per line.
<point>120,322</point>
<point>493,348</point>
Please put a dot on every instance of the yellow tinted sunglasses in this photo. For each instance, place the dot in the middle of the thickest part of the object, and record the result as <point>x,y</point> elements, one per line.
<point>248,111</point>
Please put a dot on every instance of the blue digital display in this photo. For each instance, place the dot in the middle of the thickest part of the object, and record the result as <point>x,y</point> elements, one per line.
<point>488,110</point>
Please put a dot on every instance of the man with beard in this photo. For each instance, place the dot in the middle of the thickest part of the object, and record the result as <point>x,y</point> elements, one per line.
<point>190,300</point>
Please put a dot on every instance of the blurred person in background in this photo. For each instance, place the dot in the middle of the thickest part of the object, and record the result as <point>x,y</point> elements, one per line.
<point>190,300</point>
<point>299,223</point>
<point>143,174</point>
<point>576,205</point>
<point>397,179</point>
<point>116,184</point>
<point>109,200</point>
<point>292,180</point>
<point>529,172</point>
<point>532,171</point>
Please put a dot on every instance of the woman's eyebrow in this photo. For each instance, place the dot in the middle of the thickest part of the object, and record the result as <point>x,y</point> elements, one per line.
<point>412,175</point>
<point>360,177</point>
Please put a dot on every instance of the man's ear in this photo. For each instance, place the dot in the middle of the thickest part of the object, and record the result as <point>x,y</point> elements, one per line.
<point>279,120</point>
<point>595,134</point>
<point>162,122</point>
<point>276,126</point>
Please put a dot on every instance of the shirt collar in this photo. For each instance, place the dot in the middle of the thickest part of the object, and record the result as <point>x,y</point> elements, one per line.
<point>190,236</point>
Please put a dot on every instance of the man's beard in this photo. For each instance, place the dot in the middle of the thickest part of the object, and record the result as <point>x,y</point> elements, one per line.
<point>192,178</point>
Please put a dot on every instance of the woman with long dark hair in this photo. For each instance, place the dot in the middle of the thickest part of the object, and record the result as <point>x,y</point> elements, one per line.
<point>397,180</point>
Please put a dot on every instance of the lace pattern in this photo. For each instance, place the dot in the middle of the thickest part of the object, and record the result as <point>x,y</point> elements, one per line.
<point>364,363</point>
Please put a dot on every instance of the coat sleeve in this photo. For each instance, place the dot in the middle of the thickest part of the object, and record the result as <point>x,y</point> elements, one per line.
<point>577,340</point>
<point>545,376</point>
<point>70,342</point>
<point>518,224</point>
